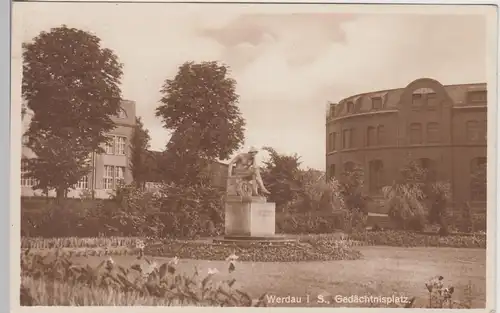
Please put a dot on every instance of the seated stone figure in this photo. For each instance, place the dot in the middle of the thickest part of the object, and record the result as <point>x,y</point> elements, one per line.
<point>242,172</point>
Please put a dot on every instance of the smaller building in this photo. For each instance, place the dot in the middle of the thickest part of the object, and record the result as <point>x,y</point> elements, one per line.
<point>108,169</point>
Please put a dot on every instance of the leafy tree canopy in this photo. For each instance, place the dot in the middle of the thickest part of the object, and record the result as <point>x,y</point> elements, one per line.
<point>71,84</point>
<point>199,106</point>
<point>282,176</point>
<point>139,158</point>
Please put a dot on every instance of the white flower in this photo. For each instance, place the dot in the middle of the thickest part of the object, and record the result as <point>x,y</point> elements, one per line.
<point>174,261</point>
<point>233,257</point>
<point>139,244</point>
<point>212,271</point>
<point>110,261</point>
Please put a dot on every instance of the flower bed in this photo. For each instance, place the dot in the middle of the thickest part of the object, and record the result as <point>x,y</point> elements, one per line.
<point>76,242</point>
<point>58,281</point>
<point>412,239</point>
<point>326,249</point>
<point>290,252</point>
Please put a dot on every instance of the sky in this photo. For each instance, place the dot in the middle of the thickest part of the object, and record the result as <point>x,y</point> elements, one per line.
<point>288,64</point>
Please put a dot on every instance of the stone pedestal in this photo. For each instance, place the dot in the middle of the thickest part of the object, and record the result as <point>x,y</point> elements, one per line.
<point>249,216</point>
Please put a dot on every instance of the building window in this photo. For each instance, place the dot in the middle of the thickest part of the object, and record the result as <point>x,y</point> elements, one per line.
<point>376,168</point>
<point>370,136</point>
<point>332,110</point>
<point>120,145</point>
<point>416,100</point>
<point>119,175</point>
<point>381,135</point>
<point>109,147</point>
<point>415,133</point>
<point>26,181</point>
<point>478,96</point>
<point>432,100</point>
<point>473,131</point>
<point>478,187</point>
<point>108,177</point>
<point>83,183</point>
<point>331,171</point>
<point>347,138</point>
<point>348,167</point>
<point>122,114</point>
<point>116,145</point>
<point>332,141</point>
<point>376,103</point>
<point>433,133</point>
<point>113,176</point>
<point>350,107</point>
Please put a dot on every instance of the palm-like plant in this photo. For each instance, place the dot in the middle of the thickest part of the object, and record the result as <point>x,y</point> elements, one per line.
<point>405,202</point>
<point>414,194</point>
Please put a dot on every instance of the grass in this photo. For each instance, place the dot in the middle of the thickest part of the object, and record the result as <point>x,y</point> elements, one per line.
<point>383,271</point>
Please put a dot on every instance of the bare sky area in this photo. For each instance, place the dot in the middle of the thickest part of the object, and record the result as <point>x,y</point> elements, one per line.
<point>287,66</point>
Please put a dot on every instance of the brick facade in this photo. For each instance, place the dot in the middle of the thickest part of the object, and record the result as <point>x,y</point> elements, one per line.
<point>442,126</point>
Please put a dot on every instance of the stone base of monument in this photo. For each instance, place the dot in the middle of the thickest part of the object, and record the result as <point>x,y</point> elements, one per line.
<point>250,220</point>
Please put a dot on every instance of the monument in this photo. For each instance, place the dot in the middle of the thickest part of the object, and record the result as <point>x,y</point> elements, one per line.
<point>248,215</point>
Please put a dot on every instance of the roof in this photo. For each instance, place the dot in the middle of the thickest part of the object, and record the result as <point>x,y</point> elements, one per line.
<point>448,88</point>
<point>391,98</point>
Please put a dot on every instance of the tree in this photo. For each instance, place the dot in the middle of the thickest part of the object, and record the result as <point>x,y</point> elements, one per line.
<point>320,194</point>
<point>59,165</point>
<point>352,189</point>
<point>71,84</point>
<point>199,107</point>
<point>282,177</point>
<point>139,146</point>
<point>355,201</point>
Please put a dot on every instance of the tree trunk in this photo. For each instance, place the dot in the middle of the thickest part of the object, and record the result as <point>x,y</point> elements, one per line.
<point>61,193</point>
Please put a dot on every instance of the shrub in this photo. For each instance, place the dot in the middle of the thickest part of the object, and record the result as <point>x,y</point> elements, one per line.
<point>190,211</point>
<point>442,297</point>
<point>309,223</point>
<point>318,194</point>
<point>400,238</point>
<point>415,194</point>
<point>173,211</point>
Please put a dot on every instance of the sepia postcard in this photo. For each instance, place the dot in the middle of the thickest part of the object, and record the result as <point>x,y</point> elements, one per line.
<point>253,155</point>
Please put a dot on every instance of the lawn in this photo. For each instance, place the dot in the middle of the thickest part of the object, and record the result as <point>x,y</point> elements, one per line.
<point>383,271</point>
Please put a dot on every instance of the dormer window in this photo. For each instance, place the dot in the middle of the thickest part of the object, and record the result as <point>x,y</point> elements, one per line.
<point>350,107</point>
<point>432,100</point>
<point>477,96</point>
<point>122,114</point>
<point>416,99</point>
<point>332,109</point>
<point>376,103</point>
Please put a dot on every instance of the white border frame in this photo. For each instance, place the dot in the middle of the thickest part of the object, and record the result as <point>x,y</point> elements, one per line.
<point>11,181</point>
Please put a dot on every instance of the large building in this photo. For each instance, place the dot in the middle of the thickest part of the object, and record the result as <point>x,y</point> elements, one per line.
<point>108,168</point>
<point>442,127</point>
